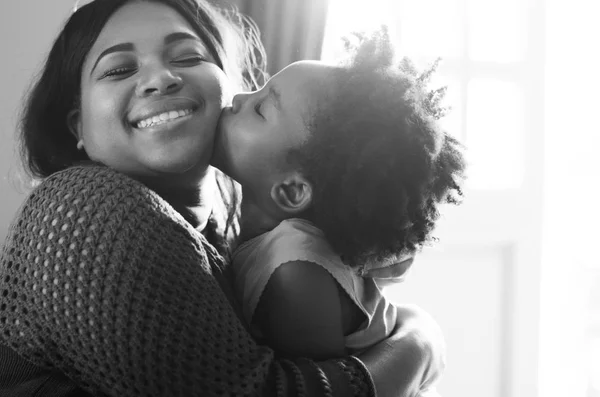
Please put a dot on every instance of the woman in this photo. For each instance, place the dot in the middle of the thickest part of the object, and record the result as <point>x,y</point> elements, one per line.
<point>108,288</point>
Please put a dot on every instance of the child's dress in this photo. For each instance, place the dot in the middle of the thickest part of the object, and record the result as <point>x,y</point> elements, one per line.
<point>299,240</point>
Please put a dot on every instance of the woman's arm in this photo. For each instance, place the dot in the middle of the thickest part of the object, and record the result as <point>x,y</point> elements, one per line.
<point>409,361</point>
<point>102,281</point>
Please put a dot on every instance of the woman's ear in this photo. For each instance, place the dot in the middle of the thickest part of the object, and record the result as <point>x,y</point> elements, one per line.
<point>293,195</point>
<point>74,123</point>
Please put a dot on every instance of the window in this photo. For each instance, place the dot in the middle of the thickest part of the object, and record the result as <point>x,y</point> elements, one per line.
<point>522,83</point>
<point>486,65</point>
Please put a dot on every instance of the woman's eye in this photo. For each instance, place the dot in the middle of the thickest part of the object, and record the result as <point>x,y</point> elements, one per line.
<point>190,60</point>
<point>258,109</point>
<point>118,72</point>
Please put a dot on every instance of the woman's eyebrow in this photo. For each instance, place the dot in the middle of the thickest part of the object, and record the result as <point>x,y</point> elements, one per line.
<point>128,47</point>
<point>178,36</point>
<point>122,47</point>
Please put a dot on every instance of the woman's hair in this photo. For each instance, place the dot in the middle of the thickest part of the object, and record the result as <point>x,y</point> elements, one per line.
<point>46,143</point>
<point>378,160</point>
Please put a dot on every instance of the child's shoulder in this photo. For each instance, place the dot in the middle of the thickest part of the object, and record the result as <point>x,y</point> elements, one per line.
<point>296,230</point>
<point>297,240</point>
<point>298,226</point>
<point>294,250</point>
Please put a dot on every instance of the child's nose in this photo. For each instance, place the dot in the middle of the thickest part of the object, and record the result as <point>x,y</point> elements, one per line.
<point>236,103</point>
<point>239,100</point>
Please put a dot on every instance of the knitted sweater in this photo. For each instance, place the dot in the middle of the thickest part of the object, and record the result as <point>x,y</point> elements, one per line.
<point>105,288</point>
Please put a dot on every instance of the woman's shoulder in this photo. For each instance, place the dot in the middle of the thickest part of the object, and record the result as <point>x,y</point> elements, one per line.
<point>92,207</point>
<point>90,185</point>
<point>91,176</point>
<point>98,195</point>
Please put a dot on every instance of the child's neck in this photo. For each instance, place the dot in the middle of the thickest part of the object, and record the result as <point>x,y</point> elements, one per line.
<point>255,220</point>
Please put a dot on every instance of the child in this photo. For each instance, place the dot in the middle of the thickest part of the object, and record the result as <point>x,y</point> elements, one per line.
<point>342,169</point>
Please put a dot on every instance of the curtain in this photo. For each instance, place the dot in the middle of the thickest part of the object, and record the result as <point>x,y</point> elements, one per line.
<point>291,30</point>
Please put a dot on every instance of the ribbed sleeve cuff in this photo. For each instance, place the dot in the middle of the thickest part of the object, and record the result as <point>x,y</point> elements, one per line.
<point>367,378</point>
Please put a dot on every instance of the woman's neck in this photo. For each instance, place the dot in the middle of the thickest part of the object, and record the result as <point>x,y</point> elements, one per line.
<point>194,201</point>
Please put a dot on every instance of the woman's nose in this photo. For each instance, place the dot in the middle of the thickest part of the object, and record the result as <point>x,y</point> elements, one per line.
<point>159,81</point>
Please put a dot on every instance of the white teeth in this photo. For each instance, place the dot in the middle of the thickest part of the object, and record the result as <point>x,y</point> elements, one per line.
<point>162,118</point>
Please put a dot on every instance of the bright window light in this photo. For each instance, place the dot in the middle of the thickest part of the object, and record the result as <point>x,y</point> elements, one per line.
<point>495,128</point>
<point>432,28</point>
<point>497,30</point>
<point>486,112</point>
<point>595,367</point>
<point>347,16</point>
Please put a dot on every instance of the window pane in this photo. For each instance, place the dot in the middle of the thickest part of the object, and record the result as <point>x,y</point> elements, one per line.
<point>595,367</point>
<point>497,30</point>
<point>495,128</point>
<point>432,27</point>
<point>347,16</point>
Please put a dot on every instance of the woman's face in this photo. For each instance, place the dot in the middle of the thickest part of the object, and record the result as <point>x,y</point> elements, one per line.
<point>151,95</point>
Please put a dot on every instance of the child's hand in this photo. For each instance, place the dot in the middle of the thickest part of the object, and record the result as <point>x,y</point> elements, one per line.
<point>392,274</point>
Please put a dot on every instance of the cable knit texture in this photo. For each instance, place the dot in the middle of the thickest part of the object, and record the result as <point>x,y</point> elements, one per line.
<point>103,281</point>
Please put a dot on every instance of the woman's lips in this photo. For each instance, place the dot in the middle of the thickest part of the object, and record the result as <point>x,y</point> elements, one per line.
<point>163,118</point>
<point>163,111</point>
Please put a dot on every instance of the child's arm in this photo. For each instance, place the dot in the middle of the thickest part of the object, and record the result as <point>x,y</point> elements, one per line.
<point>300,312</point>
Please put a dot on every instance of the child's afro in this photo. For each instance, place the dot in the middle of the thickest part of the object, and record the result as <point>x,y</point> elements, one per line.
<point>379,163</point>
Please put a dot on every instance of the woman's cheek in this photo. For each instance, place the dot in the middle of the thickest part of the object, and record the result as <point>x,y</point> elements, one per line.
<point>224,88</point>
<point>226,93</point>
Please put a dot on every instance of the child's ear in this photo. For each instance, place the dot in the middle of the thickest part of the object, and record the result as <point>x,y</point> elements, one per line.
<point>293,194</point>
<point>74,123</point>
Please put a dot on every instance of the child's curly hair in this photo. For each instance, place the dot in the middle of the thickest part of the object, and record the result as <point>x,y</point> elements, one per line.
<point>377,159</point>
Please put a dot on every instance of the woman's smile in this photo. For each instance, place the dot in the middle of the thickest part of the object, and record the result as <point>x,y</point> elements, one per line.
<point>163,113</point>
<point>163,118</point>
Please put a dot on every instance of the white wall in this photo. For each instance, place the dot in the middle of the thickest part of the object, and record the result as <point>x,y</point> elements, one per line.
<point>27,29</point>
<point>571,274</point>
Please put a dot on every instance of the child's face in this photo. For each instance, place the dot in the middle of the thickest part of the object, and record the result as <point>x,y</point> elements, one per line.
<point>257,132</point>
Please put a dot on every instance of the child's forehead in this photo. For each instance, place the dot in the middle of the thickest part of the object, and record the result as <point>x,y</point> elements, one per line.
<point>305,81</point>
<point>309,74</point>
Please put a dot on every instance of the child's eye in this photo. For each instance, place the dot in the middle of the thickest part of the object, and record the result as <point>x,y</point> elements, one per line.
<point>118,72</point>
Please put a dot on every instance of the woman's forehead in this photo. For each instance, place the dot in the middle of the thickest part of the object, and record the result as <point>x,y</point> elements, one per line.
<point>142,25</point>
<point>143,21</point>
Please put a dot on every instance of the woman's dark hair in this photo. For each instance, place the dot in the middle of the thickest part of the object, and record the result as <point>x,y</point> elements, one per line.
<point>379,163</point>
<point>47,145</point>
